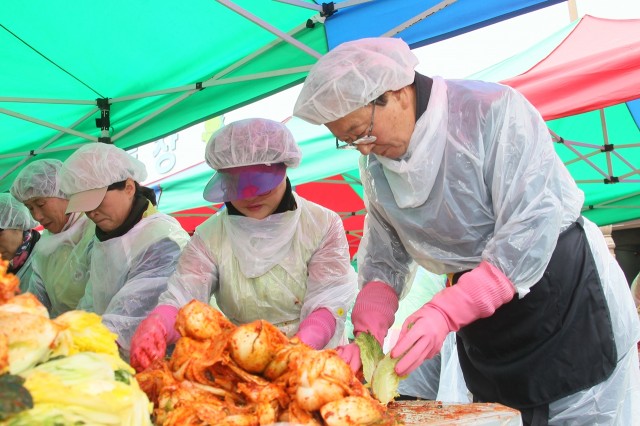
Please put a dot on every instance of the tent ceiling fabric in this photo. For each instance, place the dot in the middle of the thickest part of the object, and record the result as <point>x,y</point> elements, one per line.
<point>585,81</point>
<point>148,69</point>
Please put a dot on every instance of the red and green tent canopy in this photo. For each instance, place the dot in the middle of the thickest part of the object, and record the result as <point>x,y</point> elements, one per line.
<point>585,81</point>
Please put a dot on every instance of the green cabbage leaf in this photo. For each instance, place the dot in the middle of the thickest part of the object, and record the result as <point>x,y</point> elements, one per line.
<point>370,354</point>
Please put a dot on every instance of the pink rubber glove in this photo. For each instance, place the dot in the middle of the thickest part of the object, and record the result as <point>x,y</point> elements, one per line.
<point>374,311</point>
<point>317,329</point>
<point>477,295</point>
<point>152,336</point>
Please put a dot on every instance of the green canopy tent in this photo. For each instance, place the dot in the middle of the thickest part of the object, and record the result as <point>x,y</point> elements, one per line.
<point>129,72</point>
<point>585,81</point>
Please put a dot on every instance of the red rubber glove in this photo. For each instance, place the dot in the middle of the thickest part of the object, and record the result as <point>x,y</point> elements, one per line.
<point>150,340</point>
<point>317,329</point>
<point>477,295</point>
<point>374,311</point>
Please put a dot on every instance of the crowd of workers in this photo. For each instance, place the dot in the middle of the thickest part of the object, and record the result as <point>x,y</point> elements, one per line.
<point>460,178</point>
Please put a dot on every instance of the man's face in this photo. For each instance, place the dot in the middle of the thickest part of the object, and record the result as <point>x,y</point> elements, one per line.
<point>393,125</point>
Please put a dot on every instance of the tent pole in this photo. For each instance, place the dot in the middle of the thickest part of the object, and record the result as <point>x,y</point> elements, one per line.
<point>38,151</point>
<point>605,137</point>
<point>264,24</point>
<point>42,147</point>
<point>257,53</point>
<point>258,76</point>
<point>213,81</point>
<point>152,115</point>
<point>15,167</point>
<point>47,124</point>
<point>585,159</point>
<point>573,10</point>
<point>418,18</point>
<point>47,101</point>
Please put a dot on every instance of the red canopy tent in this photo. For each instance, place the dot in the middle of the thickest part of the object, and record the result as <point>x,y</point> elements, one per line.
<point>336,194</point>
<point>596,66</point>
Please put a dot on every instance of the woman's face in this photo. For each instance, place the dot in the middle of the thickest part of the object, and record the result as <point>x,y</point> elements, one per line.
<point>263,205</point>
<point>10,240</point>
<point>49,211</point>
<point>393,125</point>
<point>114,208</point>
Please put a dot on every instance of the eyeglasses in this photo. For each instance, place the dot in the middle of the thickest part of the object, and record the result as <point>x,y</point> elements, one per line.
<point>364,140</point>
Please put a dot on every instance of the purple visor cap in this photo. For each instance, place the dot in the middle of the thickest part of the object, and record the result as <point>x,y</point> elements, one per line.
<point>239,183</point>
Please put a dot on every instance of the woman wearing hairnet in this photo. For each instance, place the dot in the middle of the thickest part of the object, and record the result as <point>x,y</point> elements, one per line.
<point>61,263</point>
<point>17,238</point>
<point>136,247</point>
<point>462,178</point>
<point>269,255</point>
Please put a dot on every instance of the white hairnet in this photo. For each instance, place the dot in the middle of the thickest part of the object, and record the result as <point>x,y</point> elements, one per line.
<point>98,165</point>
<point>14,215</point>
<point>41,178</point>
<point>352,75</point>
<point>252,141</point>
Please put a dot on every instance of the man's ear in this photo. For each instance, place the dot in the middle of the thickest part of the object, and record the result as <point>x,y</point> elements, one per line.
<point>130,187</point>
<point>405,95</point>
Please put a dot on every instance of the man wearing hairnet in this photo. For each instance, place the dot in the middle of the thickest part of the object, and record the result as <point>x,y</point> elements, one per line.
<point>270,254</point>
<point>17,238</point>
<point>61,263</point>
<point>136,248</point>
<point>462,178</point>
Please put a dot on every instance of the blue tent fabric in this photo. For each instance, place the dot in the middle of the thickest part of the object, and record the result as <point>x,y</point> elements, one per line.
<point>456,17</point>
<point>634,110</point>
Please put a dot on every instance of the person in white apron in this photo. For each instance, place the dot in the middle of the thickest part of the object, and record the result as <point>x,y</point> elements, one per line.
<point>61,263</point>
<point>17,238</point>
<point>136,247</point>
<point>462,178</point>
<point>269,254</point>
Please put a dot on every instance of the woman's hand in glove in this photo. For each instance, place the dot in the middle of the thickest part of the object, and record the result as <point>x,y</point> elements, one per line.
<point>149,342</point>
<point>351,355</point>
<point>374,313</point>
<point>317,329</point>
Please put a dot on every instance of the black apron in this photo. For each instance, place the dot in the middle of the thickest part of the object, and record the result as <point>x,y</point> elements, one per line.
<point>555,341</point>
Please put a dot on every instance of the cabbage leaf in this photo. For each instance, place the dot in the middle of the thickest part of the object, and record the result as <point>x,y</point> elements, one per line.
<point>370,354</point>
<point>385,381</point>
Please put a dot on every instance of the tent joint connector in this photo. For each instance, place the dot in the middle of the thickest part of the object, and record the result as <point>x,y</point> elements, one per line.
<point>105,139</point>
<point>607,147</point>
<point>611,179</point>
<point>103,103</point>
<point>328,9</point>
<point>199,86</point>
<point>560,140</point>
<point>32,153</point>
<point>104,122</point>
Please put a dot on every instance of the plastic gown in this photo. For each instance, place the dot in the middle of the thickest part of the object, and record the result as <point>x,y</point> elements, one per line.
<point>481,181</point>
<point>128,273</point>
<point>280,268</point>
<point>25,272</point>
<point>61,265</point>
